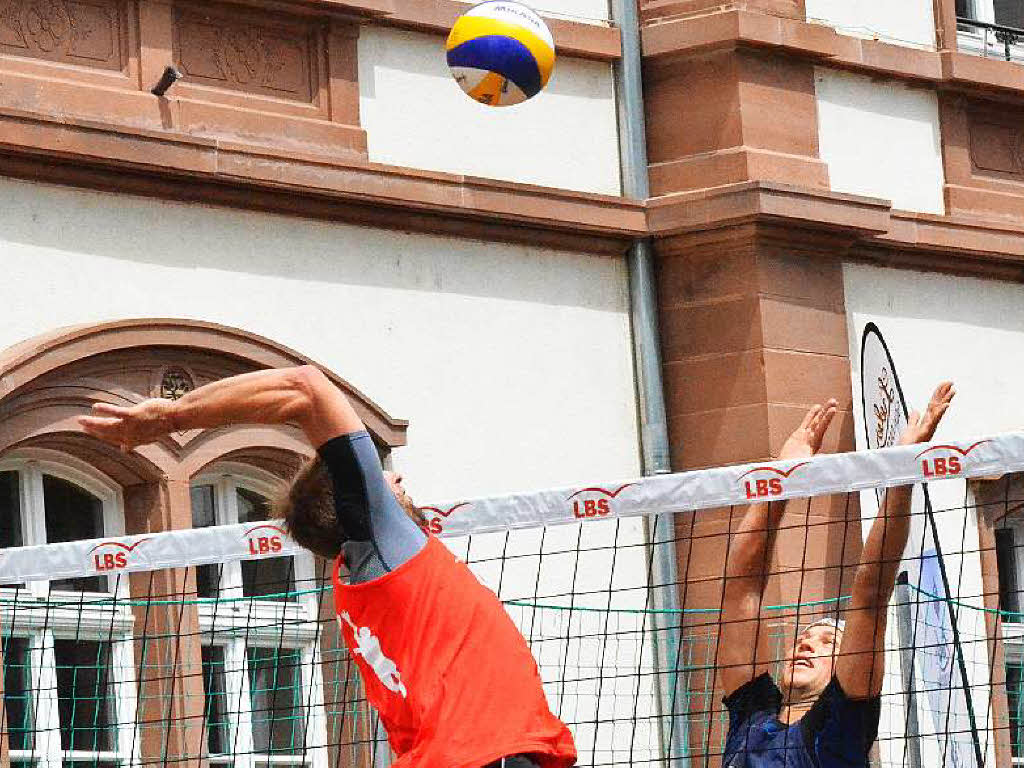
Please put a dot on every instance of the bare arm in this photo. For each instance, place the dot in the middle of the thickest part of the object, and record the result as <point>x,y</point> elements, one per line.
<point>861,664</point>
<point>302,396</point>
<point>747,566</point>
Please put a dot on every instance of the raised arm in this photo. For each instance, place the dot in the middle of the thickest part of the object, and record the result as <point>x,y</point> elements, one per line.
<point>861,663</point>
<point>747,566</point>
<point>303,396</point>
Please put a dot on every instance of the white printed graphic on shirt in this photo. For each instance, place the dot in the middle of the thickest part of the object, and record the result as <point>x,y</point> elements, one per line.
<point>369,648</point>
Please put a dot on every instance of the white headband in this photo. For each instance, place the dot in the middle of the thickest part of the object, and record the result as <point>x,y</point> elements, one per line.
<point>837,624</point>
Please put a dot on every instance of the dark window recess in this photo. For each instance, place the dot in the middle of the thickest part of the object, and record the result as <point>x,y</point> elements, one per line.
<point>1009,13</point>
<point>10,510</point>
<point>275,689</point>
<point>1006,561</point>
<point>215,701</point>
<point>84,695</point>
<point>267,575</point>
<point>964,9</point>
<point>203,516</point>
<point>17,693</point>
<point>72,514</point>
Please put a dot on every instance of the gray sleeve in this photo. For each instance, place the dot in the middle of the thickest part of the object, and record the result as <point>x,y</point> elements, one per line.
<point>368,512</point>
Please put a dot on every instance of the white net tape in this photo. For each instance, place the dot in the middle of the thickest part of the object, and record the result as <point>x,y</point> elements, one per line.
<point>699,489</point>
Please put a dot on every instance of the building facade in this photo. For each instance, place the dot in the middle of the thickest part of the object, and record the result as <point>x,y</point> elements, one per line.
<point>316,188</point>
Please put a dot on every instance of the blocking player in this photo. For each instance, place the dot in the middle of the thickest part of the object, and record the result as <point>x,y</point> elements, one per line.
<point>452,678</point>
<point>824,711</point>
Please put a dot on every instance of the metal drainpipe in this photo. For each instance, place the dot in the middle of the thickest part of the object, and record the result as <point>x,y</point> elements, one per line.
<point>650,391</point>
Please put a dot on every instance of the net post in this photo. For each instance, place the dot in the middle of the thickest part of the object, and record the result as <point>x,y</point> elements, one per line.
<point>905,629</point>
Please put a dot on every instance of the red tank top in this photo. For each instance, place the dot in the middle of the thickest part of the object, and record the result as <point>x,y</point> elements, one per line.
<point>449,673</point>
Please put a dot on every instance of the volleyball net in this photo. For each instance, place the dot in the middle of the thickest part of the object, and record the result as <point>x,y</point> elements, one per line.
<point>219,645</point>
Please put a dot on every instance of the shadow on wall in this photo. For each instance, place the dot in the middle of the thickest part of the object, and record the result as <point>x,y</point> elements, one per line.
<point>53,223</point>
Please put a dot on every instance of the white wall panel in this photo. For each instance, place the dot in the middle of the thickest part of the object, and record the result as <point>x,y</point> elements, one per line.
<point>512,363</point>
<point>907,22</point>
<point>415,115</point>
<point>881,139</point>
<point>970,331</point>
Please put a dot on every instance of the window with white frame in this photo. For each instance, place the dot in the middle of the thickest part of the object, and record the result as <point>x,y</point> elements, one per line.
<point>68,664</point>
<point>986,27</point>
<point>1009,536</point>
<point>260,659</point>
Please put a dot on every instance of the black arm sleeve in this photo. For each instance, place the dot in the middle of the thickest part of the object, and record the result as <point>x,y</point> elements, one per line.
<point>367,509</point>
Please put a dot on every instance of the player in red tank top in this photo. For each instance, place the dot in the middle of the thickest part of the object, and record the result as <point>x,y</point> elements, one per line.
<point>452,678</point>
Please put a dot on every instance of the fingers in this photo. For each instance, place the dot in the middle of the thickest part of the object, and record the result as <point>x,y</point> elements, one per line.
<point>108,409</point>
<point>810,417</point>
<point>825,416</point>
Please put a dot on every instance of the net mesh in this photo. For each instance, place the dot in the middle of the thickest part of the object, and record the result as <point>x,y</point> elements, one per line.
<point>242,662</point>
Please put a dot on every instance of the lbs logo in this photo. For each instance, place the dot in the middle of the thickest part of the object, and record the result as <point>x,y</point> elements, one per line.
<point>945,460</point>
<point>264,539</point>
<point>112,555</point>
<point>436,516</point>
<point>595,507</point>
<point>770,481</point>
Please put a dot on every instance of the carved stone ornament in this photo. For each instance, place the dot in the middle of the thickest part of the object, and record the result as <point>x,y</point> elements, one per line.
<point>175,383</point>
<point>244,56</point>
<point>80,31</point>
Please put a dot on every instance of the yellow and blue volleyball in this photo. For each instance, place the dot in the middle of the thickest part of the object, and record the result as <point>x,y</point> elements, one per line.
<point>501,53</point>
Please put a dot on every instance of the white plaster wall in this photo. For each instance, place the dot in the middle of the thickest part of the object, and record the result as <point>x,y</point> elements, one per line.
<point>907,22</point>
<point>586,11</point>
<point>415,115</point>
<point>970,331</point>
<point>512,363</point>
<point>880,138</point>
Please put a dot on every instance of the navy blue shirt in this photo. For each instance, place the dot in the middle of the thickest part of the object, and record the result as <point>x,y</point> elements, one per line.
<point>837,732</point>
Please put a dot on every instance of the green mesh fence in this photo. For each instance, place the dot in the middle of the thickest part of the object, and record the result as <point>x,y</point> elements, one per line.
<point>244,666</point>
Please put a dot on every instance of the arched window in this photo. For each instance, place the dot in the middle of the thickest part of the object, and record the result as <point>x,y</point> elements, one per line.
<point>68,672</point>
<point>259,647</point>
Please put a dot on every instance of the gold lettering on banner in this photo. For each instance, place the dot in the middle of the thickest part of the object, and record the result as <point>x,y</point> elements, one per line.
<point>885,425</point>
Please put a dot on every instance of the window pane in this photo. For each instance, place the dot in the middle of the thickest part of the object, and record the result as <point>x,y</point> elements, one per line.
<point>84,696</point>
<point>17,692</point>
<point>276,691</point>
<point>269,575</point>
<point>1006,564</point>
<point>1015,701</point>
<point>203,516</point>
<point>10,511</point>
<point>72,514</point>
<point>1009,13</point>
<point>215,703</point>
<point>965,9</point>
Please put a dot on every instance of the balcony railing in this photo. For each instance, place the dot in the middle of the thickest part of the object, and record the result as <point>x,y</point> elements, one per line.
<point>990,39</point>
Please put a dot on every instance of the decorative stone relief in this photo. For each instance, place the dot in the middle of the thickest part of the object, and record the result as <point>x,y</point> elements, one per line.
<point>997,147</point>
<point>86,32</point>
<point>243,55</point>
<point>175,383</point>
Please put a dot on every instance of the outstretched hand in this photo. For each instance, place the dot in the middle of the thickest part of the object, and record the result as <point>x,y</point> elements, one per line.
<point>921,427</point>
<point>806,439</point>
<point>128,427</point>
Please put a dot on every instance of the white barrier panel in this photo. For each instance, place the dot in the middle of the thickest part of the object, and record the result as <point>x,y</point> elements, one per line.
<point>700,489</point>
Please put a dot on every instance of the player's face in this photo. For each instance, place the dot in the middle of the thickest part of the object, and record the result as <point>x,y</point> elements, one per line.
<point>394,480</point>
<point>810,665</point>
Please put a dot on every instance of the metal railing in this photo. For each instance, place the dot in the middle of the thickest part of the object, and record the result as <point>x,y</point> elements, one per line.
<point>992,36</point>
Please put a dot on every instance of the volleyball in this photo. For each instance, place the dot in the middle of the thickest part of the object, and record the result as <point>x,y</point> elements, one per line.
<point>500,53</point>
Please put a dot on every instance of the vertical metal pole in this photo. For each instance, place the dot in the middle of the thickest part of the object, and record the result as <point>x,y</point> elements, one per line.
<point>905,627</point>
<point>650,391</point>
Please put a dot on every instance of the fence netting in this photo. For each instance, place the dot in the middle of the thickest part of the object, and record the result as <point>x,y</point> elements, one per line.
<point>192,658</point>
